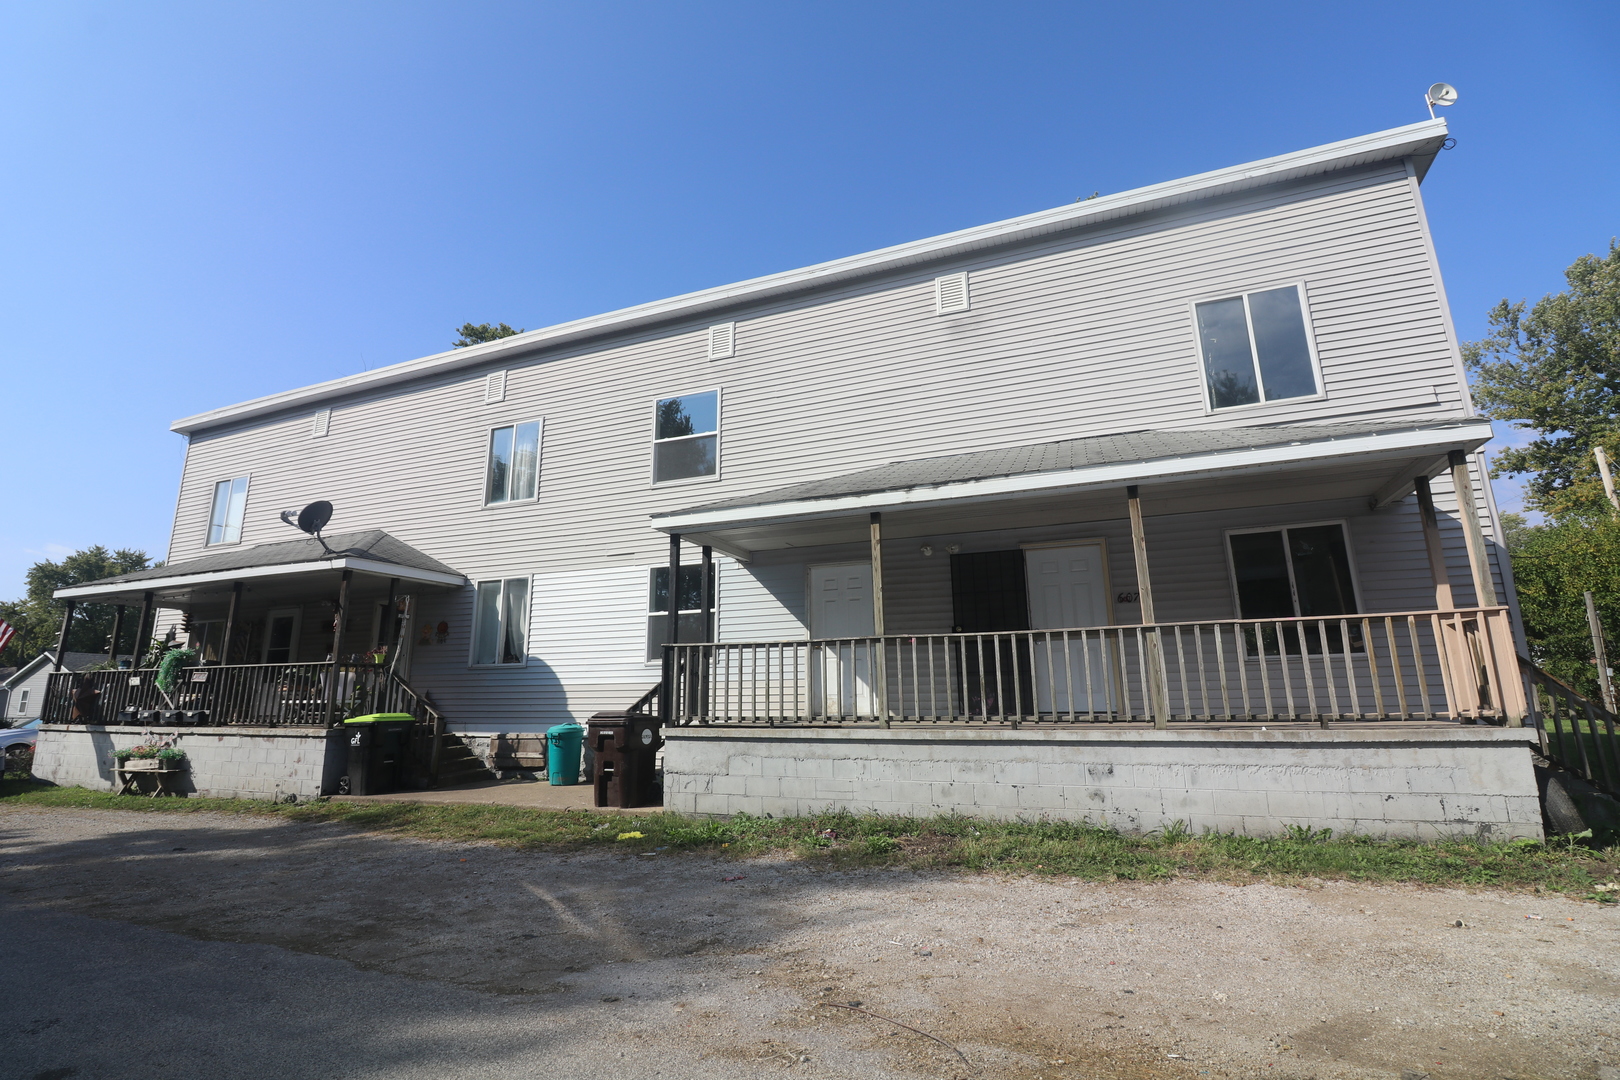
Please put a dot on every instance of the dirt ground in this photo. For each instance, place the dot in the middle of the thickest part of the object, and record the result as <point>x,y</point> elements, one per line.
<point>694,966</point>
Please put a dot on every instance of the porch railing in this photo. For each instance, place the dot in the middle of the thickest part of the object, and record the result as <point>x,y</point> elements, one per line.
<point>1577,734</point>
<point>1429,665</point>
<point>310,695</point>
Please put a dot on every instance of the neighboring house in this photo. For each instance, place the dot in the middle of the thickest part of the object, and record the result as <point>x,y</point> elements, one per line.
<point>25,688</point>
<point>1206,400</point>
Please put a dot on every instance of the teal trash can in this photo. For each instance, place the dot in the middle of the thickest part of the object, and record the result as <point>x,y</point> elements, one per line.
<point>564,744</point>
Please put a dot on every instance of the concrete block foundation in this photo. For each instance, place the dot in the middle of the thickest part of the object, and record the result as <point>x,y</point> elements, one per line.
<point>1412,780</point>
<point>225,762</point>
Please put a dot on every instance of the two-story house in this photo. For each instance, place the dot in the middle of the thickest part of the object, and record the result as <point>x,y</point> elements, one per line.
<point>1197,454</point>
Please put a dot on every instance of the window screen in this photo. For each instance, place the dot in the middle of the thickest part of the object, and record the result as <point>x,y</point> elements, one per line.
<point>1255,348</point>
<point>686,437</point>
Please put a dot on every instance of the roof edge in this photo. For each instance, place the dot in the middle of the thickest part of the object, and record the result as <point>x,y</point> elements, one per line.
<point>1422,139</point>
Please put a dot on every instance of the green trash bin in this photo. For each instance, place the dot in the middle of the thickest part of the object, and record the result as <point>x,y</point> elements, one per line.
<point>379,748</point>
<point>564,744</point>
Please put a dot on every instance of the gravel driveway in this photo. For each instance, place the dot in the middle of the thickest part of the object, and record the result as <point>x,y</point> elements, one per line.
<point>218,946</point>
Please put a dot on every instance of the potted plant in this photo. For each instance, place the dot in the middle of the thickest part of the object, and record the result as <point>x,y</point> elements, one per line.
<point>151,758</point>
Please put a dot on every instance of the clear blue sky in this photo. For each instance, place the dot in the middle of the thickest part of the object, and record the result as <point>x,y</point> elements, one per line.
<point>208,202</point>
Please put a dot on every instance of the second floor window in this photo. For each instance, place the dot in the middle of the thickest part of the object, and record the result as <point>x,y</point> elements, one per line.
<point>230,502</point>
<point>686,437</point>
<point>514,463</point>
<point>1255,348</point>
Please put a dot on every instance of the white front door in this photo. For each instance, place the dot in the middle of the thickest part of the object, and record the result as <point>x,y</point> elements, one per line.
<point>1068,589</point>
<point>841,670</point>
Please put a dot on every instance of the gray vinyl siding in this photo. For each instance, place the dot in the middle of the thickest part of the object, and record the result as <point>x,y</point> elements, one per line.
<point>1085,333</point>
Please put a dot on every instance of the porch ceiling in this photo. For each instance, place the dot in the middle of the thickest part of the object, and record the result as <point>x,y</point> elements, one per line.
<point>285,572</point>
<point>1079,480</point>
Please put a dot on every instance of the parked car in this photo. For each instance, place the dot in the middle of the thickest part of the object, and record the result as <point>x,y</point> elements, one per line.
<point>18,742</point>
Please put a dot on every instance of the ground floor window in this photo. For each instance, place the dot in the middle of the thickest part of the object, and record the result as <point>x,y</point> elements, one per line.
<point>500,622</point>
<point>1295,571</point>
<point>692,622</point>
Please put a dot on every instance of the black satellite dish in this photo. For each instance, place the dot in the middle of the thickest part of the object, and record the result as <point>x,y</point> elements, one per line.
<point>311,519</point>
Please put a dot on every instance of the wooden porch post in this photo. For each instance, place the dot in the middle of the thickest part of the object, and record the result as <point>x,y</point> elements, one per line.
<point>230,622</point>
<point>61,639</point>
<point>1431,539</point>
<point>1468,510</point>
<point>337,642</point>
<point>139,647</point>
<point>117,632</point>
<point>880,669</point>
<point>1158,696</point>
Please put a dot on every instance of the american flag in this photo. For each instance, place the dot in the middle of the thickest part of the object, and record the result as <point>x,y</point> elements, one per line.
<point>6,631</point>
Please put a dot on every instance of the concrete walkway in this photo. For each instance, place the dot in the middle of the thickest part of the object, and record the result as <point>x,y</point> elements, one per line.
<point>537,794</point>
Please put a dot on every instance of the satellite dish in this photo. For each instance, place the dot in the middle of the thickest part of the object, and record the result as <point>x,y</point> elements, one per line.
<point>311,519</point>
<point>1440,94</point>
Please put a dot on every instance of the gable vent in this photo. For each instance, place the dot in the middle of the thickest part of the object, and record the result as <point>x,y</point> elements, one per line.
<point>495,387</point>
<point>322,424</point>
<point>951,294</point>
<point>722,340</point>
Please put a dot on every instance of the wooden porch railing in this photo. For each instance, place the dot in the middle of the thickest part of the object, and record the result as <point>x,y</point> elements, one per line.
<point>1576,734</point>
<point>1429,665</point>
<point>308,695</point>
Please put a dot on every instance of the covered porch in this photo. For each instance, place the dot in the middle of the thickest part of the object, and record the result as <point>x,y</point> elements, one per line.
<point>1297,574</point>
<point>303,634</point>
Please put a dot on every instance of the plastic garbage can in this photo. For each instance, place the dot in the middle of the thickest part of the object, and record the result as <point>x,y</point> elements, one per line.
<point>379,745</point>
<point>563,745</point>
<point>626,747</point>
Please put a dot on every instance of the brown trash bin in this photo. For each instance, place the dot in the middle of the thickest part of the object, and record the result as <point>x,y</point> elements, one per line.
<point>626,749</point>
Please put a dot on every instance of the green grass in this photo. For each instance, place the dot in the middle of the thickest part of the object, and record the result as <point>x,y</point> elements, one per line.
<point>1573,866</point>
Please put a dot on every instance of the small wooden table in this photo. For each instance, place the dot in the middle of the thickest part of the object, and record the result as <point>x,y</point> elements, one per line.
<point>165,774</point>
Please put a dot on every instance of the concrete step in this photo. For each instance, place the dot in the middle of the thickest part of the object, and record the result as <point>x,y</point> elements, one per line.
<point>458,764</point>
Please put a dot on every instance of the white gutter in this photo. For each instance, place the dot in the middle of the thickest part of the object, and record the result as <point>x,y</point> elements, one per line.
<point>362,566</point>
<point>1125,472</point>
<point>1394,144</point>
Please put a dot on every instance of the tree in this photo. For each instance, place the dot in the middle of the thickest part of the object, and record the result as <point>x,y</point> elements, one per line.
<point>38,615</point>
<point>1554,566</point>
<point>1556,371</point>
<point>478,334</point>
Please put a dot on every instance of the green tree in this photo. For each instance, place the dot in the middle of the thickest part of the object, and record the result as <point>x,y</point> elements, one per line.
<point>1556,371</point>
<point>38,615</point>
<point>1554,565</point>
<point>472,334</point>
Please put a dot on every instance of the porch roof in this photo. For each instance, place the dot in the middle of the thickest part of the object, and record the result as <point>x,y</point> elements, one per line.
<point>1098,461</point>
<point>372,552</point>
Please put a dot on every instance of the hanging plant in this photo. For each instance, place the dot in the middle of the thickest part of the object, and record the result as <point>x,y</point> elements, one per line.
<point>168,676</point>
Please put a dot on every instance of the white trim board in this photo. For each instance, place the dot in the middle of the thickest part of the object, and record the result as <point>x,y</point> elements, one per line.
<point>1128,472</point>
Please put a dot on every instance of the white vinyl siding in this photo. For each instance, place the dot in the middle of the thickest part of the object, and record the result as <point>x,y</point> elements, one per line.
<point>229,507</point>
<point>851,376</point>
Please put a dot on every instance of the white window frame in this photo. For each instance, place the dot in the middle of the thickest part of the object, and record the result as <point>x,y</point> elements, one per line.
<point>1293,587</point>
<point>247,493</point>
<point>719,440</point>
<point>528,623</point>
<point>1299,286</point>
<point>489,462</point>
<point>22,701</point>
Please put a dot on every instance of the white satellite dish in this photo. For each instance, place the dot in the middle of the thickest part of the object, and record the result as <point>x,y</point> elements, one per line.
<point>1440,94</point>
